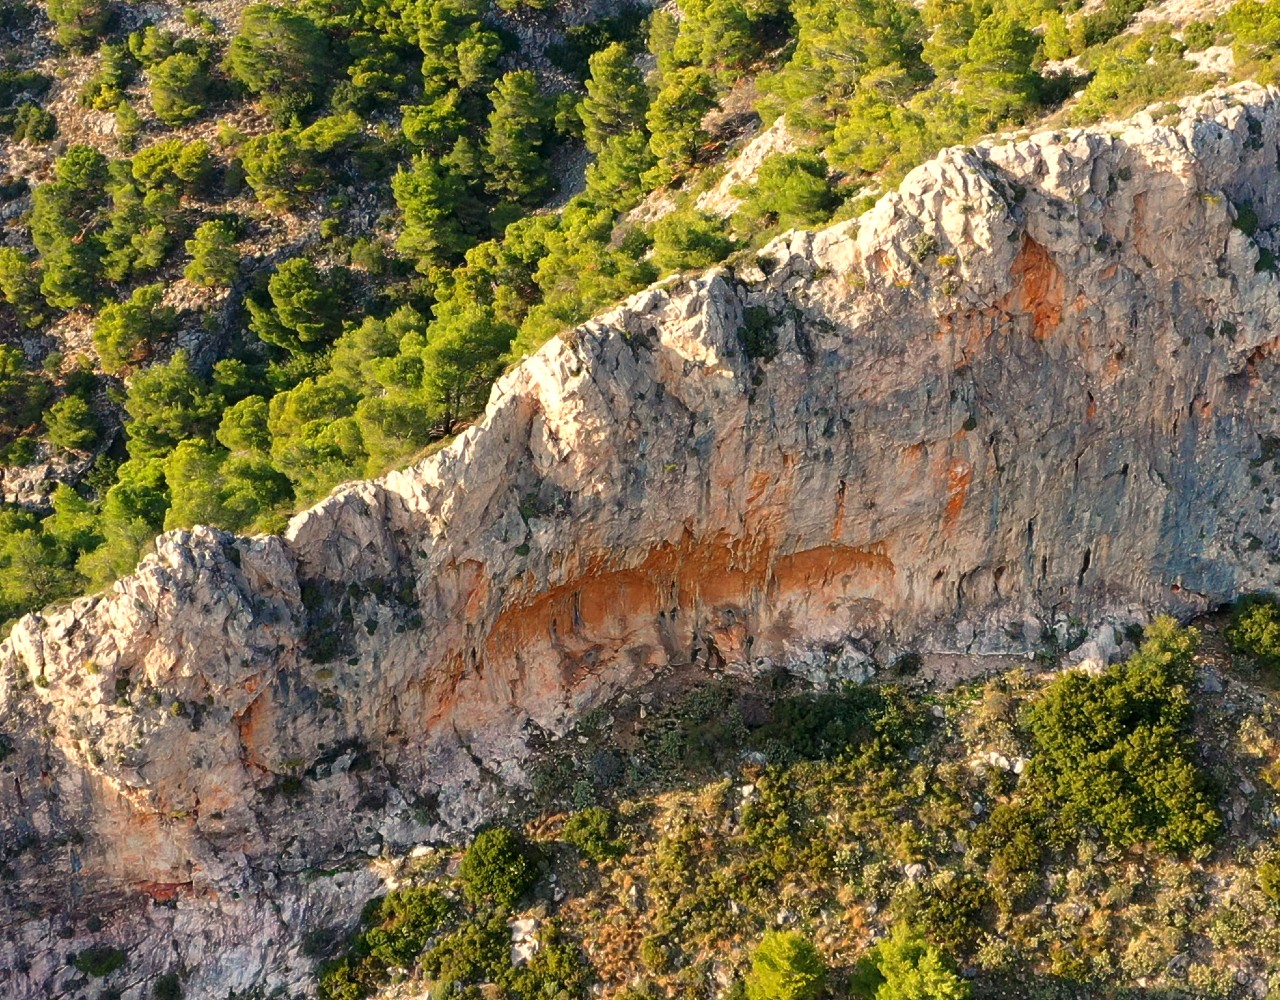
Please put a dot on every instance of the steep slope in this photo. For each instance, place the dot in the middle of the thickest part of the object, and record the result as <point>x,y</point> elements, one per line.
<point>1032,385</point>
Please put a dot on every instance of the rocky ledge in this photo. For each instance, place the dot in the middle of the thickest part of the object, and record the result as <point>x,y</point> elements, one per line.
<point>1032,390</point>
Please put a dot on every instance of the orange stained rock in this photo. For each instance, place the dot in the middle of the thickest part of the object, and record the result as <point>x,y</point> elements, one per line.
<point>959,478</point>
<point>164,892</point>
<point>1041,288</point>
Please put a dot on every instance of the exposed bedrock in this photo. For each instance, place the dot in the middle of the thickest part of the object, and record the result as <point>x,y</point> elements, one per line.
<point>1037,382</point>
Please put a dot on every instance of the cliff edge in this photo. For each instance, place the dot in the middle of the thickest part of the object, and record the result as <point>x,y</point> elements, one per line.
<point>1037,383</point>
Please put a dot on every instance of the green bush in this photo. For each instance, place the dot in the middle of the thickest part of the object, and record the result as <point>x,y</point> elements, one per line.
<point>497,868</point>
<point>99,960</point>
<point>1144,71</point>
<point>1112,19</point>
<point>1255,631</point>
<point>72,425</point>
<point>684,240</point>
<point>905,967</point>
<point>593,832</point>
<point>167,987</point>
<point>786,966</point>
<point>281,56</point>
<point>479,951</point>
<point>675,122</point>
<point>396,930</point>
<point>401,923</point>
<point>948,908</point>
<point>1114,751</point>
<point>828,725</point>
<point>1269,880</point>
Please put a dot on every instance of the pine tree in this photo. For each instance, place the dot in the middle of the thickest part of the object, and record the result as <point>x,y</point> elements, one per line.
<point>517,132</point>
<point>167,403</point>
<point>72,425</point>
<point>282,57</point>
<point>464,353</point>
<point>20,287</point>
<point>997,76</point>
<point>179,88</point>
<point>306,307</point>
<point>430,197</point>
<point>616,99</point>
<point>127,331</point>
<point>81,23</point>
<point>214,259</point>
<point>905,967</point>
<point>675,121</point>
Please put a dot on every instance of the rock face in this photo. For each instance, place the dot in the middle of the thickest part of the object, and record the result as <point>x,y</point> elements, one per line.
<point>1035,383</point>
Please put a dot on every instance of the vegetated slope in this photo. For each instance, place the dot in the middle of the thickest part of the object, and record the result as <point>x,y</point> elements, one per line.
<point>252,252</point>
<point>1025,823</point>
<point>1028,390</point>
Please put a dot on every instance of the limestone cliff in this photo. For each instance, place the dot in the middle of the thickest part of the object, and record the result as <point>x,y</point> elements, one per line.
<point>1035,383</point>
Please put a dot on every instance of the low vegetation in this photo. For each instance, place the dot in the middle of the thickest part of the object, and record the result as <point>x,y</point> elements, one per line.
<point>883,841</point>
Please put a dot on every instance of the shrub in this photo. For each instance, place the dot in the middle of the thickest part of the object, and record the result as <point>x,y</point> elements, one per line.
<point>72,425</point>
<point>689,239</point>
<point>1269,880</point>
<point>1255,631</point>
<point>497,868</point>
<point>592,831</point>
<point>905,967</point>
<point>1141,73</point>
<point>401,923</point>
<point>397,929</point>
<point>948,908</point>
<point>99,960</point>
<point>126,331</point>
<point>1113,751</point>
<point>758,334</point>
<point>786,966</point>
<point>167,987</point>
<point>166,404</point>
<point>826,725</point>
<point>105,89</point>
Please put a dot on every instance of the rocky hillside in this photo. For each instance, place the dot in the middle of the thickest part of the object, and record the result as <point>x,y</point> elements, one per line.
<point>1025,396</point>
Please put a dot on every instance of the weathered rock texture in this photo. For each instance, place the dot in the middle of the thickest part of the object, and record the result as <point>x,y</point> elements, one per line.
<point>1037,382</point>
